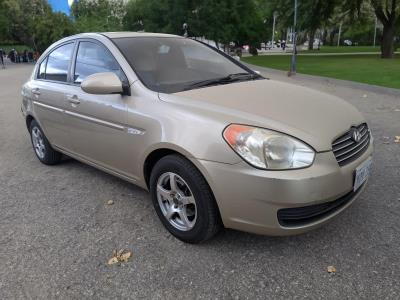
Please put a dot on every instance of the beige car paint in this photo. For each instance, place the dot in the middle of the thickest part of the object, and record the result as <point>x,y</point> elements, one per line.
<point>117,133</point>
<point>282,106</point>
<point>102,84</point>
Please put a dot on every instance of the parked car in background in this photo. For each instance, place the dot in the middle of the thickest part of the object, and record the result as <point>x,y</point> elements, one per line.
<point>347,43</point>
<point>215,143</point>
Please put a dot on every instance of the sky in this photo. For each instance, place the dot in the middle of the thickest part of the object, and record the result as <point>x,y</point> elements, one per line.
<point>61,5</point>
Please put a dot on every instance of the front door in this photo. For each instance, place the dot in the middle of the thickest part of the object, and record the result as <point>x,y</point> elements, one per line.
<point>97,122</point>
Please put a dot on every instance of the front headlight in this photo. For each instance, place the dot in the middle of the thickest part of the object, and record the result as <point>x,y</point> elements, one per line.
<point>267,149</point>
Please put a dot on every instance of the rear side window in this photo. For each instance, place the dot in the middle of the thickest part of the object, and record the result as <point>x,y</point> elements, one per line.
<point>93,58</point>
<point>58,63</point>
<point>42,69</point>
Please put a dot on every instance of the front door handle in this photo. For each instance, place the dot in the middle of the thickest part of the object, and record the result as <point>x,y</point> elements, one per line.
<point>36,91</point>
<point>73,99</point>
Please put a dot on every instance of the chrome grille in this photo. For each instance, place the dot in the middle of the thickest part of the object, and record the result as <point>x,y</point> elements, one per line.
<point>346,149</point>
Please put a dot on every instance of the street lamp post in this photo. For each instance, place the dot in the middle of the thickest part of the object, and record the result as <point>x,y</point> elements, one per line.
<point>273,29</point>
<point>293,62</point>
<point>376,26</point>
<point>266,42</point>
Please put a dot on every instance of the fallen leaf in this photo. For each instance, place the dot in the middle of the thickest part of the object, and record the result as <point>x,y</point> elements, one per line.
<point>119,253</point>
<point>110,202</point>
<point>397,139</point>
<point>125,256</point>
<point>331,269</point>
<point>119,257</point>
<point>113,260</point>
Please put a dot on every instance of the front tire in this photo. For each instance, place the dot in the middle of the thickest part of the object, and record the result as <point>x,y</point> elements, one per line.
<point>43,150</point>
<point>183,200</point>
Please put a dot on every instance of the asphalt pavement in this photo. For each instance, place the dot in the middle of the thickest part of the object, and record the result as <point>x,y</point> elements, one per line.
<point>57,231</point>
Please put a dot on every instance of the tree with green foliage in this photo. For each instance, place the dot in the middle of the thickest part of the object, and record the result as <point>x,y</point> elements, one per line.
<point>98,15</point>
<point>312,14</point>
<point>315,15</point>
<point>33,23</point>
<point>5,34</point>
<point>223,21</point>
<point>388,13</point>
<point>50,28</point>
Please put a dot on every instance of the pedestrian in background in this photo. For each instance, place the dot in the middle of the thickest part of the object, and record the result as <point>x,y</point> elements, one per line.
<point>30,56</point>
<point>2,58</point>
<point>283,45</point>
<point>25,56</point>
<point>11,56</point>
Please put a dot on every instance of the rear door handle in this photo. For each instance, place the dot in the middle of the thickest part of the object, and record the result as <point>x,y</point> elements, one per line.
<point>73,99</point>
<point>36,91</point>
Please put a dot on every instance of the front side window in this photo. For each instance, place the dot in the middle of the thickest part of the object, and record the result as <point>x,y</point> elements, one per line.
<point>93,58</point>
<point>58,63</point>
<point>169,64</point>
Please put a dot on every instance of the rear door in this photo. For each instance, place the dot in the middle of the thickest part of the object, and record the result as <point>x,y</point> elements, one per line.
<point>97,122</point>
<point>47,92</point>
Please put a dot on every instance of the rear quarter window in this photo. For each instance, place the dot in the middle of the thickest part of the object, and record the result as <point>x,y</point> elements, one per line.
<point>42,69</point>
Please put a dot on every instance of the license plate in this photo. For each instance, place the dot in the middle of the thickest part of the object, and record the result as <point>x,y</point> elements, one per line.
<point>362,173</point>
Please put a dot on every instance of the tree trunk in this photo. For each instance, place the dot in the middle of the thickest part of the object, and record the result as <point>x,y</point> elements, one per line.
<point>331,37</point>
<point>311,40</point>
<point>387,45</point>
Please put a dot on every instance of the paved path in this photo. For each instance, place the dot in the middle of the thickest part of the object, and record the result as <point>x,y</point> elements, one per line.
<point>57,233</point>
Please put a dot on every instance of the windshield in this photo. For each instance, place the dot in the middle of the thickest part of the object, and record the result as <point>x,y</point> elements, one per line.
<point>170,65</point>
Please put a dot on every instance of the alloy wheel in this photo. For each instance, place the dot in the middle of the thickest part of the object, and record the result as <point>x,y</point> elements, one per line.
<point>176,201</point>
<point>38,142</point>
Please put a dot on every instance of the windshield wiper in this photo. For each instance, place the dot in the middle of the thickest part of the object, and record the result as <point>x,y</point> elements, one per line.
<point>224,80</point>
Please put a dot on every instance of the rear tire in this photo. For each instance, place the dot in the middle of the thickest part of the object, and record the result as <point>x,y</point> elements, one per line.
<point>41,146</point>
<point>183,200</point>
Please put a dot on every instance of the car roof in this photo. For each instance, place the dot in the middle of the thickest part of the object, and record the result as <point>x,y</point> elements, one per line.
<point>122,34</point>
<point>127,34</point>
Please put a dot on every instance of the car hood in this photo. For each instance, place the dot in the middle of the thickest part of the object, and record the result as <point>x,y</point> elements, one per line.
<point>312,116</point>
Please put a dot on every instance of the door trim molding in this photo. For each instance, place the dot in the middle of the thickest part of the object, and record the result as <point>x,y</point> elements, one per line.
<point>48,106</point>
<point>83,117</point>
<point>95,120</point>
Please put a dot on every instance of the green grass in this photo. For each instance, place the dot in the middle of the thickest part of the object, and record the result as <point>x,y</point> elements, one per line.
<point>19,48</point>
<point>345,49</point>
<point>370,69</point>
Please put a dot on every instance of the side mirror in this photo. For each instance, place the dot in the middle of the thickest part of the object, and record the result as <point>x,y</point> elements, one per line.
<point>102,84</point>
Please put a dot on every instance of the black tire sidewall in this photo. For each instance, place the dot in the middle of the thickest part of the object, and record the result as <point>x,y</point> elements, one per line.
<point>200,190</point>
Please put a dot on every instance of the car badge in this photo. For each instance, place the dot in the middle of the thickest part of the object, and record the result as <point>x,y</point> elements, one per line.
<point>356,135</point>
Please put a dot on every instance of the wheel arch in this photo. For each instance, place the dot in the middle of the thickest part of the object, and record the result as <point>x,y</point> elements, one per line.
<point>164,149</point>
<point>28,120</point>
<point>153,157</point>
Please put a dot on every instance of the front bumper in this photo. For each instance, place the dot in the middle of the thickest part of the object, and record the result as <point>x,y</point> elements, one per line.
<point>249,199</point>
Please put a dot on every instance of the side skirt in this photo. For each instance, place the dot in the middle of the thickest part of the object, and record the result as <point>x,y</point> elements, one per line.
<point>133,180</point>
